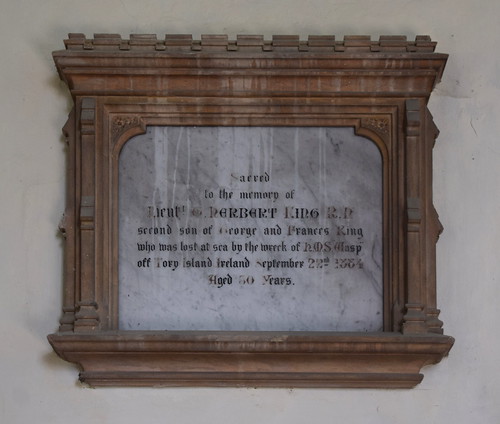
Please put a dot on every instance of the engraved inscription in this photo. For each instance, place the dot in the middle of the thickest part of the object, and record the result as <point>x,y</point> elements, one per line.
<point>250,229</point>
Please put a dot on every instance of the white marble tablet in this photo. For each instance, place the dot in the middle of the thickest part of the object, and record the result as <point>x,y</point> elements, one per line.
<point>250,228</point>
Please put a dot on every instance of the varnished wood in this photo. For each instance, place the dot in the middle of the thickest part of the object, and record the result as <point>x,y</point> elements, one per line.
<point>380,88</point>
<point>265,359</point>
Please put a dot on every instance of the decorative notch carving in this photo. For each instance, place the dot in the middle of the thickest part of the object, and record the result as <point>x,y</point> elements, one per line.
<point>217,43</point>
<point>87,117</point>
<point>413,119</point>
<point>87,213</point>
<point>381,126</point>
<point>414,214</point>
<point>121,124</point>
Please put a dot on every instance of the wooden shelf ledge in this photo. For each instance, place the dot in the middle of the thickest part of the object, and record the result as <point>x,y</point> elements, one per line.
<point>260,359</point>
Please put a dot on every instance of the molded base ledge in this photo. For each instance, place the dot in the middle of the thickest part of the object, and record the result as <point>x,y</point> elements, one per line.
<point>263,359</point>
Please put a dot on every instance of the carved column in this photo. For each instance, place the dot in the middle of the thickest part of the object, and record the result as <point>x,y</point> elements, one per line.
<point>67,228</point>
<point>414,321</point>
<point>87,317</point>
<point>434,229</point>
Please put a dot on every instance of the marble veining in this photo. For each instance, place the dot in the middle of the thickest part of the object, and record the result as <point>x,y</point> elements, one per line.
<point>250,228</point>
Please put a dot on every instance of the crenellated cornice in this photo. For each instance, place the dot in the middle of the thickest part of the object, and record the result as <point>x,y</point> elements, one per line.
<point>253,43</point>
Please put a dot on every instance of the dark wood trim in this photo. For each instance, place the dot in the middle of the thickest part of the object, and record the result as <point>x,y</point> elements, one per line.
<point>383,360</point>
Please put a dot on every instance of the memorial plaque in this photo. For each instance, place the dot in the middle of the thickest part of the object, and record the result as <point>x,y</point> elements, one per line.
<point>250,228</point>
<point>250,212</point>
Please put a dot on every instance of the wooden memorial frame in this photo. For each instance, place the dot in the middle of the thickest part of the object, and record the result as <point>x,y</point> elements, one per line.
<point>381,88</point>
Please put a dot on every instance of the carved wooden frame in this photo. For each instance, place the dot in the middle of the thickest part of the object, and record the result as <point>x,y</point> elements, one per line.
<point>380,88</point>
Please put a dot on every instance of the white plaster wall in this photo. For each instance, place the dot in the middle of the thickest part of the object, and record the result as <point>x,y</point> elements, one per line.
<point>36,386</point>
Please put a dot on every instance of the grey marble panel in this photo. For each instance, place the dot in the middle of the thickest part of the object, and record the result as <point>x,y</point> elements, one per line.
<point>250,228</point>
